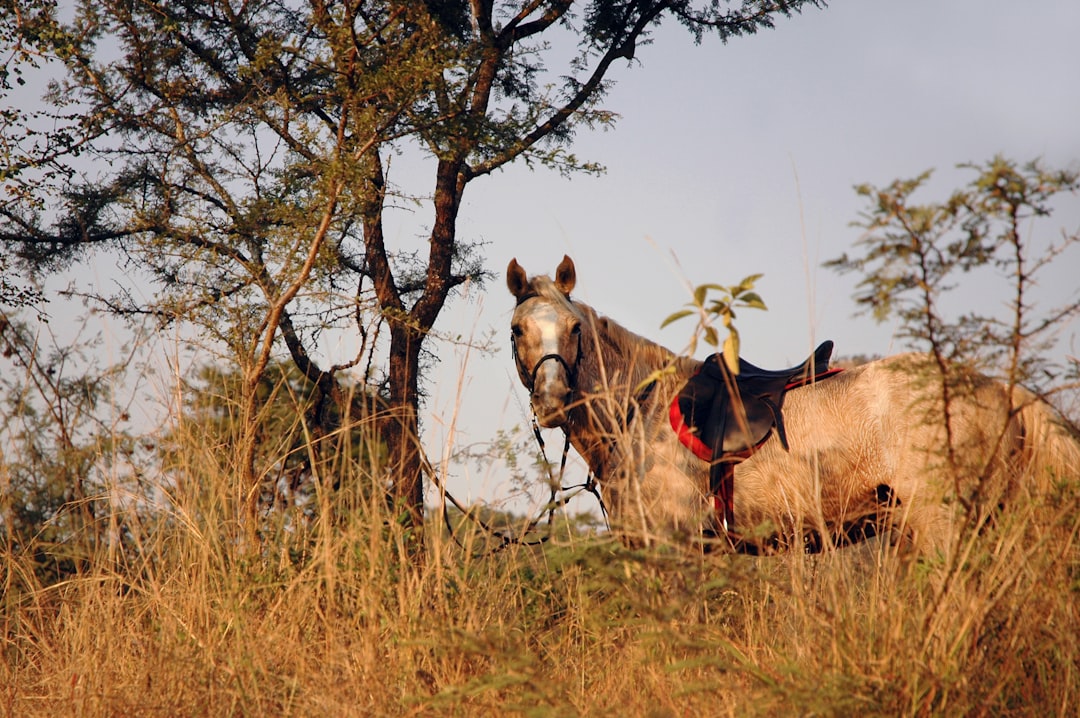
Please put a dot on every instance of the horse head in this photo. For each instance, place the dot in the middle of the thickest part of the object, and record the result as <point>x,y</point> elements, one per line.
<point>546,339</point>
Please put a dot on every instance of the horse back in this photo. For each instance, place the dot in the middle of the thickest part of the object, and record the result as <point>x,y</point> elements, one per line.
<point>896,428</point>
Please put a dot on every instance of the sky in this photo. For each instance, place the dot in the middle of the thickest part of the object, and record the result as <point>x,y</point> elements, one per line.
<point>736,159</point>
<point>741,158</point>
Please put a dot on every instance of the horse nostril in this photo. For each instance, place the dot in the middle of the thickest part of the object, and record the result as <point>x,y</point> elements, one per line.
<point>552,403</point>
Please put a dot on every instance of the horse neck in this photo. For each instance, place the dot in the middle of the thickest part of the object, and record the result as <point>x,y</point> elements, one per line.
<point>616,359</point>
<point>615,367</point>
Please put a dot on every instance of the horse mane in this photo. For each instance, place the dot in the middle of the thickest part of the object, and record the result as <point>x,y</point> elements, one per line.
<point>625,354</point>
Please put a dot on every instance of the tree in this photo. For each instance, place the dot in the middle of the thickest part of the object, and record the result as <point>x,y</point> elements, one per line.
<point>240,161</point>
<point>912,257</point>
<point>56,453</point>
<point>20,42</point>
<point>212,405</point>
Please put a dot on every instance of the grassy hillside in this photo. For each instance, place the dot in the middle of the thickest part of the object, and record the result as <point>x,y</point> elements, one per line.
<point>170,614</point>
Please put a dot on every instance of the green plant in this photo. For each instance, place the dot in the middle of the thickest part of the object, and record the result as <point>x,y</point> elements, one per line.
<point>915,258</point>
<point>721,308</point>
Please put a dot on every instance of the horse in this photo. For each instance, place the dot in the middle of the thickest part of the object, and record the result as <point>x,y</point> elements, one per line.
<point>896,446</point>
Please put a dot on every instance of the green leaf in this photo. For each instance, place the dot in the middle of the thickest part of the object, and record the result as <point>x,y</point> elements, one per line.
<point>712,337</point>
<point>731,351</point>
<point>719,307</point>
<point>748,283</point>
<point>753,301</point>
<point>655,376</point>
<point>676,317</point>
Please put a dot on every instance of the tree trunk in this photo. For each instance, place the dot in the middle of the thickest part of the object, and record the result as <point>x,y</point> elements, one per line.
<point>401,429</point>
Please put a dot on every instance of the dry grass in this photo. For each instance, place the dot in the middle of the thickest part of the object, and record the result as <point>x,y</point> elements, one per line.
<point>327,618</point>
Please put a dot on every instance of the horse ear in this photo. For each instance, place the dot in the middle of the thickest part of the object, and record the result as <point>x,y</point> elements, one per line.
<point>565,275</point>
<point>516,281</point>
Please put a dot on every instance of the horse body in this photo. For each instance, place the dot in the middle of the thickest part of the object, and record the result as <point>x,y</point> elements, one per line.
<point>865,446</point>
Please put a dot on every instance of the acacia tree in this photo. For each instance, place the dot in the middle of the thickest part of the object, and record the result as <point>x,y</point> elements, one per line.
<point>913,254</point>
<point>56,454</point>
<point>239,160</point>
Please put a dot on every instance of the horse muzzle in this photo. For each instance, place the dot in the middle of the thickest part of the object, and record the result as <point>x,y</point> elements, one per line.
<point>551,408</point>
<point>552,383</point>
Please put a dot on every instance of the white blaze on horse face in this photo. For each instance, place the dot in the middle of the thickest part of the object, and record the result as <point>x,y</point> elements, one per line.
<point>544,333</point>
<point>551,385</point>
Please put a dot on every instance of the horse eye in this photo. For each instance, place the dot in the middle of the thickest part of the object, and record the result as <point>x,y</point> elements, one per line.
<point>576,329</point>
<point>516,330</point>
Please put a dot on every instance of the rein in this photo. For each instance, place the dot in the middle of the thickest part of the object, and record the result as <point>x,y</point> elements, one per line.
<point>590,484</point>
<point>506,538</point>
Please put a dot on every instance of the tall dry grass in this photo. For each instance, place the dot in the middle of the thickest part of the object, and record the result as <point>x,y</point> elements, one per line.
<point>327,617</point>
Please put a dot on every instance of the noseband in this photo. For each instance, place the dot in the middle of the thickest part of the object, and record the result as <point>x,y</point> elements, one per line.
<point>571,371</point>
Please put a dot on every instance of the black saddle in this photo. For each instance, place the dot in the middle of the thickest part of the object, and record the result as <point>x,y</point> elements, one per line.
<point>723,417</point>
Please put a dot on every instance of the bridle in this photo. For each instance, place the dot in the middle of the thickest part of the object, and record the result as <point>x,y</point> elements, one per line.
<point>529,377</point>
